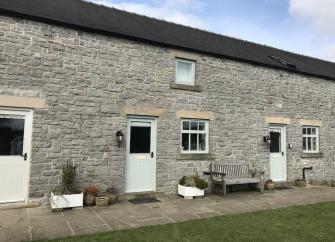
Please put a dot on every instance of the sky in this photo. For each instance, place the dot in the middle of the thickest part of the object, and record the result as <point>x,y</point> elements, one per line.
<point>301,26</point>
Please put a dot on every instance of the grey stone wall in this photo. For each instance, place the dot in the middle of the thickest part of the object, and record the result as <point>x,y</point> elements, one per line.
<point>85,78</point>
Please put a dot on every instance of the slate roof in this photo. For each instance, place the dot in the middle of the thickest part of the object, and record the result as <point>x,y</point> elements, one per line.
<point>96,18</point>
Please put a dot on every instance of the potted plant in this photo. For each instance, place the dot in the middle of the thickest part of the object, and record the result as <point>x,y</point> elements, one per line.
<point>101,201</point>
<point>269,185</point>
<point>65,196</point>
<point>300,183</point>
<point>90,193</point>
<point>192,186</point>
<point>112,197</point>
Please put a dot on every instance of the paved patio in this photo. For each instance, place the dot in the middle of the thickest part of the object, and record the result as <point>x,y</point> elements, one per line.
<point>27,224</point>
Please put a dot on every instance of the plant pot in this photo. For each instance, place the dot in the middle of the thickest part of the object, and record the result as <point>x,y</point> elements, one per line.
<point>269,186</point>
<point>101,201</point>
<point>332,183</point>
<point>190,192</point>
<point>66,200</point>
<point>300,183</point>
<point>89,199</point>
<point>112,198</point>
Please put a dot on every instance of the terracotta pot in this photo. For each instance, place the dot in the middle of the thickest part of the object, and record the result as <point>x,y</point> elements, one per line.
<point>269,186</point>
<point>89,199</point>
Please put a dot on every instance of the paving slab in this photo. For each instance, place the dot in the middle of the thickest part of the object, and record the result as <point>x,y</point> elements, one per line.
<point>24,224</point>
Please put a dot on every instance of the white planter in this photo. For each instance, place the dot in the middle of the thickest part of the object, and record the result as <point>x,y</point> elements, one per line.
<point>66,201</point>
<point>190,192</point>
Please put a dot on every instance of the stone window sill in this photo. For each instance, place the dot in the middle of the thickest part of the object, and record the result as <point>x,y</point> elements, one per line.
<point>195,157</point>
<point>311,155</point>
<point>195,88</point>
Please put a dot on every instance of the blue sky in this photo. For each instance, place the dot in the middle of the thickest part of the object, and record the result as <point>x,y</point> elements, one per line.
<point>302,26</point>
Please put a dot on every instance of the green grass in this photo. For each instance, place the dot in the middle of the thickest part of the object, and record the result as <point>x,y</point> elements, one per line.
<point>300,223</point>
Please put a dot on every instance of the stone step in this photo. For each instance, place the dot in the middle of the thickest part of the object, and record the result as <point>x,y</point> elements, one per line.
<point>139,195</point>
<point>7,206</point>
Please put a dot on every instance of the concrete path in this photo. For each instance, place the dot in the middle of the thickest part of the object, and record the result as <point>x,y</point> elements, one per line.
<point>27,224</point>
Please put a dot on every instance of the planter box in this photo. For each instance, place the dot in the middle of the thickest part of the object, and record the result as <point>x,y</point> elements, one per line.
<point>101,201</point>
<point>66,201</point>
<point>190,192</point>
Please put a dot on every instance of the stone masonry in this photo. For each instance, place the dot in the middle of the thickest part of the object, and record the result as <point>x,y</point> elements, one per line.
<point>86,78</point>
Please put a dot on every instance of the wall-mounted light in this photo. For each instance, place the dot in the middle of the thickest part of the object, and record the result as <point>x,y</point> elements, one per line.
<point>119,136</point>
<point>267,139</point>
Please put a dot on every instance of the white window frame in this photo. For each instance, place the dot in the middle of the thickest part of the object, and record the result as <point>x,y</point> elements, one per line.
<point>194,132</point>
<point>316,135</point>
<point>191,82</point>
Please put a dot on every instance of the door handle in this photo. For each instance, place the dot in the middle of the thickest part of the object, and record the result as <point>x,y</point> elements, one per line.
<point>152,154</point>
<point>24,156</point>
<point>282,153</point>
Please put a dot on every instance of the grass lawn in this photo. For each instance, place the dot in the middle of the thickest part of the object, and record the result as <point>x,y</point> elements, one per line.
<point>301,223</point>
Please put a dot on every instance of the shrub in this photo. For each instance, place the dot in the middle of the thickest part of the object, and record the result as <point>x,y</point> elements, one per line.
<point>193,181</point>
<point>200,183</point>
<point>92,189</point>
<point>68,175</point>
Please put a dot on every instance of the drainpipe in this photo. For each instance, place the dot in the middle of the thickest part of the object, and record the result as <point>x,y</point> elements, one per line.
<point>304,170</point>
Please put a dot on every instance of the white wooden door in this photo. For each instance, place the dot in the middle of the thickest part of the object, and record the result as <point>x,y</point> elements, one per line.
<point>278,153</point>
<point>141,155</point>
<point>15,142</point>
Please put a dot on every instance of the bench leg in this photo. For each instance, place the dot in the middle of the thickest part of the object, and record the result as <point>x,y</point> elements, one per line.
<point>224,189</point>
<point>262,186</point>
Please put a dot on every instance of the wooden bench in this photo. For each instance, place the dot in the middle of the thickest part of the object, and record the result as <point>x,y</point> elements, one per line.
<point>223,175</point>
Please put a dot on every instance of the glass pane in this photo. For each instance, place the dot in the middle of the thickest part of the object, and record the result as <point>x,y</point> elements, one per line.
<point>194,125</point>
<point>202,142</point>
<point>308,130</point>
<point>304,130</point>
<point>186,125</point>
<point>201,125</point>
<point>194,141</point>
<point>275,142</point>
<point>309,143</point>
<point>313,131</point>
<point>11,136</point>
<point>183,72</point>
<point>314,144</point>
<point>304,143</point>
<point>140,139</point>
<point>185,141</point>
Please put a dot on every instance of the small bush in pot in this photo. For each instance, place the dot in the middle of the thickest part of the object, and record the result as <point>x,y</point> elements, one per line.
<point>90,194</point>
<point>191,186</point>
<point>111,194</point>
<point>269,185</point>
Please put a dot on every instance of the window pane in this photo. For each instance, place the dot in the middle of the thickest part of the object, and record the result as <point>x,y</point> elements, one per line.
<point>275,142</point>
<point>201,125</point>
<point>194,125</point>
<point>202,142</point>
<point>314,143</point>
<point>184,71</point>
<point>304,131</point>
<point>313,131</point>
<point>11,136</point>
<point>304,143</point>
<point>194,139</point>
<point>140,139</point>
<point>308,131</point>
<point>309,143</point>
<point>186,125</point>
<point>184,141</point>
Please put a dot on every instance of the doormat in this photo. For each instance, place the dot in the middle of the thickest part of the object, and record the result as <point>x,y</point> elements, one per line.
<point>283,188</point>
<point>144,200</point>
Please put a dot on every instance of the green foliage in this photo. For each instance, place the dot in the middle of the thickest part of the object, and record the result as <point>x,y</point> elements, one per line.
<point>200,183</point>
<point>68,175</point>
<point>193,181</point>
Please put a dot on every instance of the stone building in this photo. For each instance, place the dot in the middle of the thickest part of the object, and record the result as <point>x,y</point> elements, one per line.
<point>73,73</point>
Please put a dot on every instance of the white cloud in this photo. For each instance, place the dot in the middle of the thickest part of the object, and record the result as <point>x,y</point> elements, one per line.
<point>320,15</point>
<point>177,11</point>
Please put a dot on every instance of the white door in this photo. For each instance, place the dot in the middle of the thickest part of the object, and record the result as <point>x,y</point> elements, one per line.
<point>141,155</point>
<point>278,153</point>
<point>15,138</point>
